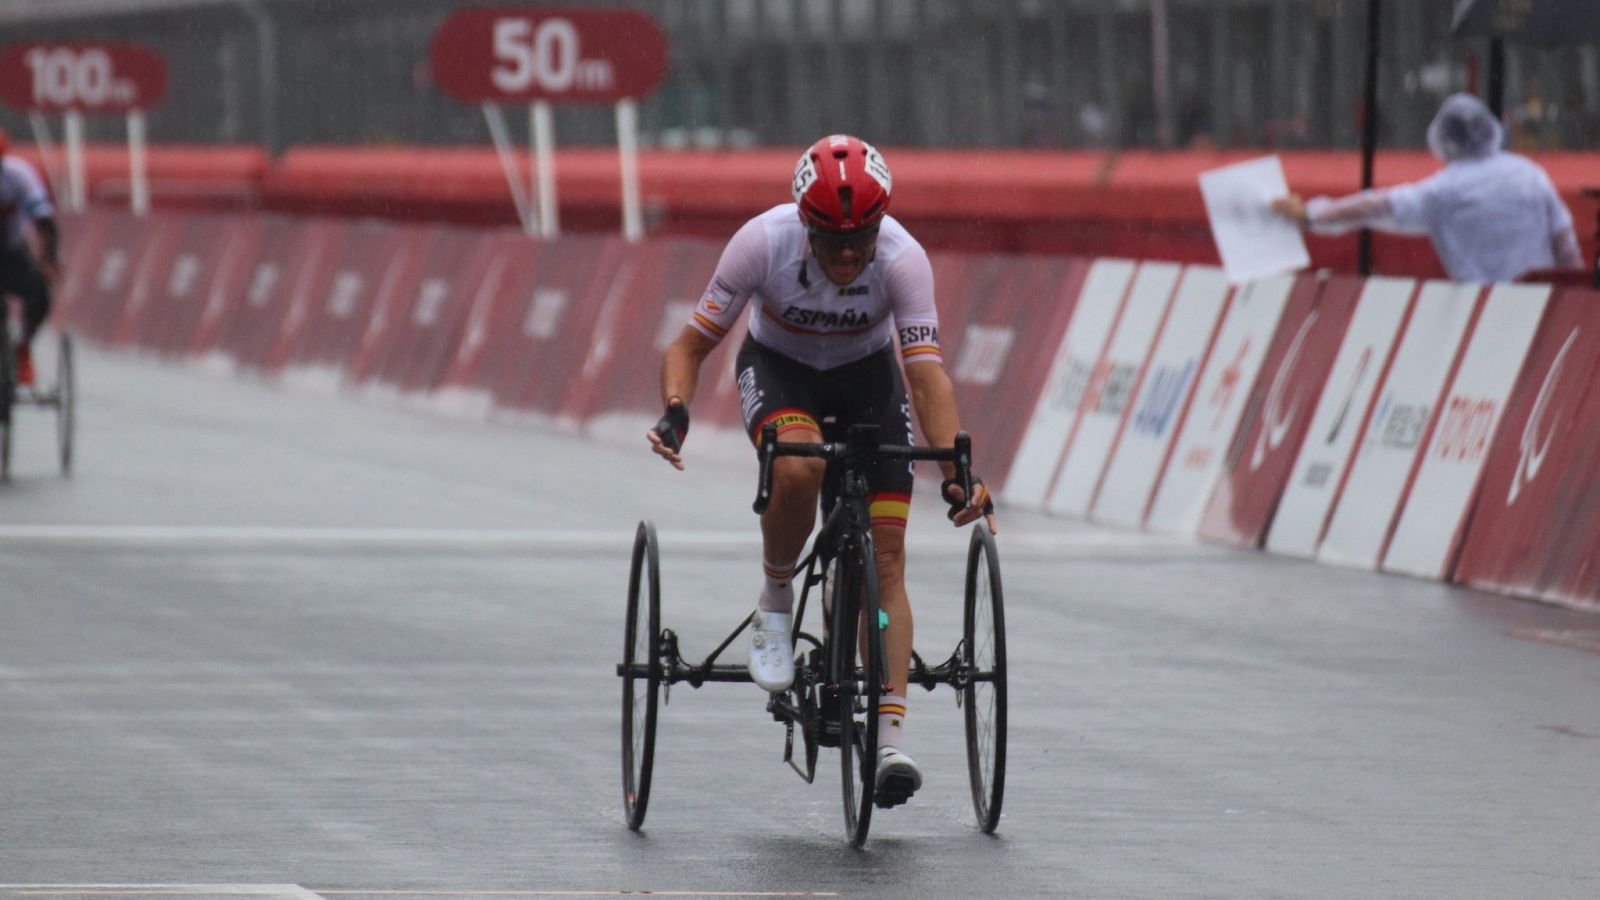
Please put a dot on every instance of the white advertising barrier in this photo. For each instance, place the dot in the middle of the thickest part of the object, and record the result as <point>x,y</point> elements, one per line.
<point>1452,464</point>
<point>1220,397</point>
<point>1099,304</point>
<point>1106,404</point>
<point>1142,447</point>
<point>1346,400</point>
<point>1388,447</point>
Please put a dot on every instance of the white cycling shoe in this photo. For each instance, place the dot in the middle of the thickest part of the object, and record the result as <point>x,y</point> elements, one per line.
<point>897,779</point>
<point>771,652</point>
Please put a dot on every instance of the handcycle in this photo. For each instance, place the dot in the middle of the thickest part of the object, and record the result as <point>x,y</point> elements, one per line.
<point>839,678</point>
<point>60,396</point>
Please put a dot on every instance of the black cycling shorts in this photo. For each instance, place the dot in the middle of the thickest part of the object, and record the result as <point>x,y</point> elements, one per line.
<point>775,388</point>
<point>20,275</point>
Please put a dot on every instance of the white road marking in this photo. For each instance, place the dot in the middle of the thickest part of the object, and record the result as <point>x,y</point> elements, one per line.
<point>162,890</point>
<point>485,537</point>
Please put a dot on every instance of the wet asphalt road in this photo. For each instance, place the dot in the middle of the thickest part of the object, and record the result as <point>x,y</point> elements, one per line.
<point>276,642</point>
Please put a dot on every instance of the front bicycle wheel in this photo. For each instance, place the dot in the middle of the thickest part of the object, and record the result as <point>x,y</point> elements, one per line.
<point>641,674</point>
<point>66,406</point>
<point>983,657</point>
<point>858,652</point>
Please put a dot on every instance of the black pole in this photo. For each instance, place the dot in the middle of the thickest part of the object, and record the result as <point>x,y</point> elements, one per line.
<point>1497,76</point>
<point>1369,129</point>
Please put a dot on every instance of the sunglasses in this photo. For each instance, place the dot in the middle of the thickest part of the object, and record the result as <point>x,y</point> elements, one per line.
<point>860,241</point>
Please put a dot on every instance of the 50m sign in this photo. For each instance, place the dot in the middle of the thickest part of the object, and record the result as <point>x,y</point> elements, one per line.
<point>81,76</point>
<point>590,55</point>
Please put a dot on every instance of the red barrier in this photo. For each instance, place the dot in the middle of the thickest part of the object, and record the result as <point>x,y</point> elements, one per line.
<point>413,336</point>
<point>528,344</point>
<point>120,265</point>
<point>1280,409</point>
<point>290,259</point>
<point>1530,529</point>
<point>83,257</point>
<point>327,320</point>
<point>649,300</point>
<point>1011,321</point>
<point>165,314</point>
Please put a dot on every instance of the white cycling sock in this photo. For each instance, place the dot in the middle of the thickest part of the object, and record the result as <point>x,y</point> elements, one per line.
<point>777,593</point>
<point>891,719</point>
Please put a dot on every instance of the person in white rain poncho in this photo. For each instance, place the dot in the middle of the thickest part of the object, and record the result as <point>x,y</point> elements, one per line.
<point>1491,215</point>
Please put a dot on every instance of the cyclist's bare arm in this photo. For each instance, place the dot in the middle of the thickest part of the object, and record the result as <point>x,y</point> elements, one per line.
<point>680,374</point>
<point>934,399</point>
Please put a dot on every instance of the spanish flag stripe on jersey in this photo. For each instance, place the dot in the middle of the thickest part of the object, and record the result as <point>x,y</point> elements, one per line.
<point>921,352</point>
<point>889,509</point>
<point>710,326</point>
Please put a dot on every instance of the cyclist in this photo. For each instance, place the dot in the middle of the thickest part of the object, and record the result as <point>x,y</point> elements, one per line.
<point>25,205</point>
<point>835,280</point>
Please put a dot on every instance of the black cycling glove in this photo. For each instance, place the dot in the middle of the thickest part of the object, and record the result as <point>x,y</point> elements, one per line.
<point>980,497</point>
<point>673,427</point>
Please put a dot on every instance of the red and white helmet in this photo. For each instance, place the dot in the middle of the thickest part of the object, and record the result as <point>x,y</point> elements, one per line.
<point>841,185</point>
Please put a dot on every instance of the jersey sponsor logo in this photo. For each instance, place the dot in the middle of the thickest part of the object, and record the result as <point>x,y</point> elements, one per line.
<point>750,395</point>
<point>1276,427</point>
<point>855,290</point>
<point>825,319</point>
<point>1161,402</point>
<point>1533,449</point>
<point>919,334</point>
<point>717,298</point>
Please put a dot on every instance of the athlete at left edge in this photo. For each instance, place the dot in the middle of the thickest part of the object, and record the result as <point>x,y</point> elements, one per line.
<point>26,214</point>
<point>834,284</point>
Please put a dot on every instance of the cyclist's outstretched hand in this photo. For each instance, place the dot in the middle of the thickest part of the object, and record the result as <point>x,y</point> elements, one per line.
<point>962,512</point>
<point>666,438</point>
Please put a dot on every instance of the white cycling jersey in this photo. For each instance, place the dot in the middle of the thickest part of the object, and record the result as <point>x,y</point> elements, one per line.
<point>22,200</point>
<point>806,317</point>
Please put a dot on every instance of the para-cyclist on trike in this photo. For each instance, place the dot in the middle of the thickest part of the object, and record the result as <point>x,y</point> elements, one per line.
<point>835,280</point>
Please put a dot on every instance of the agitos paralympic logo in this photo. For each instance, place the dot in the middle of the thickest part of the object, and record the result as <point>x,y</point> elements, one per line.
<point>1533,449</point>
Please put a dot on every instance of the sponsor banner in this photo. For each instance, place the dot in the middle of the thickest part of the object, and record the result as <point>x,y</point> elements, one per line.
<point>1432,513</point>
<point>417,328</point>
<point>1112,385</point>
<point>650,297</point>
<point>1341,412</point>
<point>165,313</point>
<point>1386,452</point>
<point>129,257</point>
<point>1140,450</point>
<point>1211,420</point>
<point>1280,410</point>
<point>291,257</point>
<point>527,342</point>
<point>1541,483</point>
<point>1009,322</point>
<point>325,323</point>
<point>1049,427</point>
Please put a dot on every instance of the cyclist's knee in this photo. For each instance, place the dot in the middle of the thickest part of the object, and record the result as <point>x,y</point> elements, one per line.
<point>798,477</point>
<point>890,547</point>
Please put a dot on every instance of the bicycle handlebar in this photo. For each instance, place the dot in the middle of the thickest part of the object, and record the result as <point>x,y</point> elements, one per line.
<point>862,446</point>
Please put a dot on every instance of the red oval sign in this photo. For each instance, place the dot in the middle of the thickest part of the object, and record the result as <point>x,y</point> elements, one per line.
<point>593,55</point>
<point>85,76</point>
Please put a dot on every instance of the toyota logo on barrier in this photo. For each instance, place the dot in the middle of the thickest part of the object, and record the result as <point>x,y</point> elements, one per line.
<point>1532,449</point>
<point>1276,427</point>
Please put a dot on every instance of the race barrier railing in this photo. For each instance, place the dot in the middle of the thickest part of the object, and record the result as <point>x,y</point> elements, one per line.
<point>1431,429</point>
